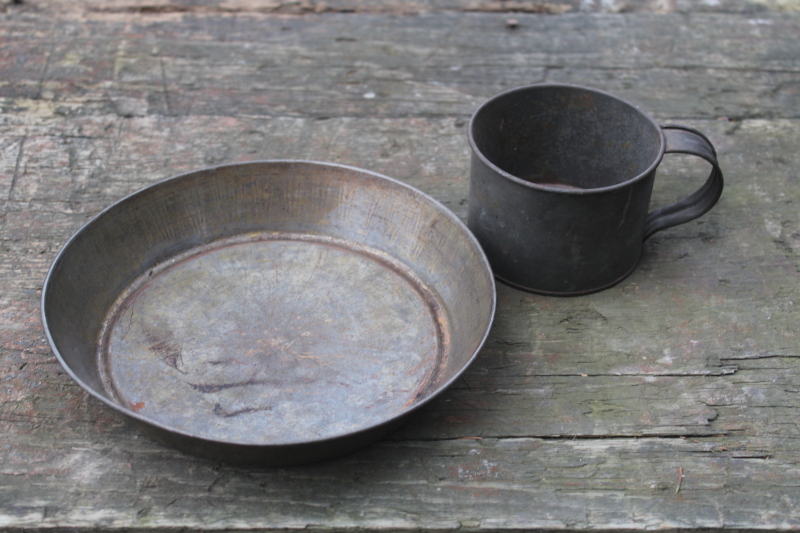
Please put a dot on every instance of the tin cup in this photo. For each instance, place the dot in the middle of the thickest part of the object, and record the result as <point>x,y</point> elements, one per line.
<point>560,185</point>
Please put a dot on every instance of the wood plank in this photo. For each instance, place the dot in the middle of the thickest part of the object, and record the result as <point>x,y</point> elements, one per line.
<point>580,413</point>
<point>402,7</point>
<point>413,66</point>
<point>487,484</point>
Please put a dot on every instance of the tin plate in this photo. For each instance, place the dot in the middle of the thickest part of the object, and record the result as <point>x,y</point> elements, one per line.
<point>270,313</point>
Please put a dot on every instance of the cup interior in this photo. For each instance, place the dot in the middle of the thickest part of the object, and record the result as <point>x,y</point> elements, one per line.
<point>565,136</point>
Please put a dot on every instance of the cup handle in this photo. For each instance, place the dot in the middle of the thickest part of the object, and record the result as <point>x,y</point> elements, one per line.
<point>683,140</point>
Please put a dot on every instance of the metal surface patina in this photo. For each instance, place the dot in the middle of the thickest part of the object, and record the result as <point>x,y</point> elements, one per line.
<point>560,185</point>
<point>270,313</point>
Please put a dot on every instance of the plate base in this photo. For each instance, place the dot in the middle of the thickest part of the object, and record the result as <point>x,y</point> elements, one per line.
<point>273,339</point>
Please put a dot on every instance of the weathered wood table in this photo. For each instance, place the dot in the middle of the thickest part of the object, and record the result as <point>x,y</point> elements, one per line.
<point>579,413</point>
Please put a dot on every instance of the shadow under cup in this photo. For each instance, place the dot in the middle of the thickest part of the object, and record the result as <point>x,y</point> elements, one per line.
<point>560,184</point>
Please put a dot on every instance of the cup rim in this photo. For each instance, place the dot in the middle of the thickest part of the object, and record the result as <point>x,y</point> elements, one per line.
<point>538,186</point>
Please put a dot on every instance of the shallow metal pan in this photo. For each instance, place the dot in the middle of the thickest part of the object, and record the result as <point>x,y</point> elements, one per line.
<point>272,313</point>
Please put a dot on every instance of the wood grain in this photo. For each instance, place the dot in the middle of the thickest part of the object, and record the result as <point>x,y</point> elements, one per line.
<point>580,413</point>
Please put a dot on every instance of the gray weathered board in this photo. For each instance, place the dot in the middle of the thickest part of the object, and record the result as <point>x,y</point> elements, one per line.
<point>580,413</point>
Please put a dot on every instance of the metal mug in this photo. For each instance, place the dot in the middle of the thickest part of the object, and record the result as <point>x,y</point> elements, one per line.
<point>560,185</point>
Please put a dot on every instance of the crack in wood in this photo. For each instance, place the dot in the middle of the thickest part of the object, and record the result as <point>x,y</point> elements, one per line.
<point>564,438</point>
<point>17,165</point>
<point>165,88</point>
<point>746,357</point>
